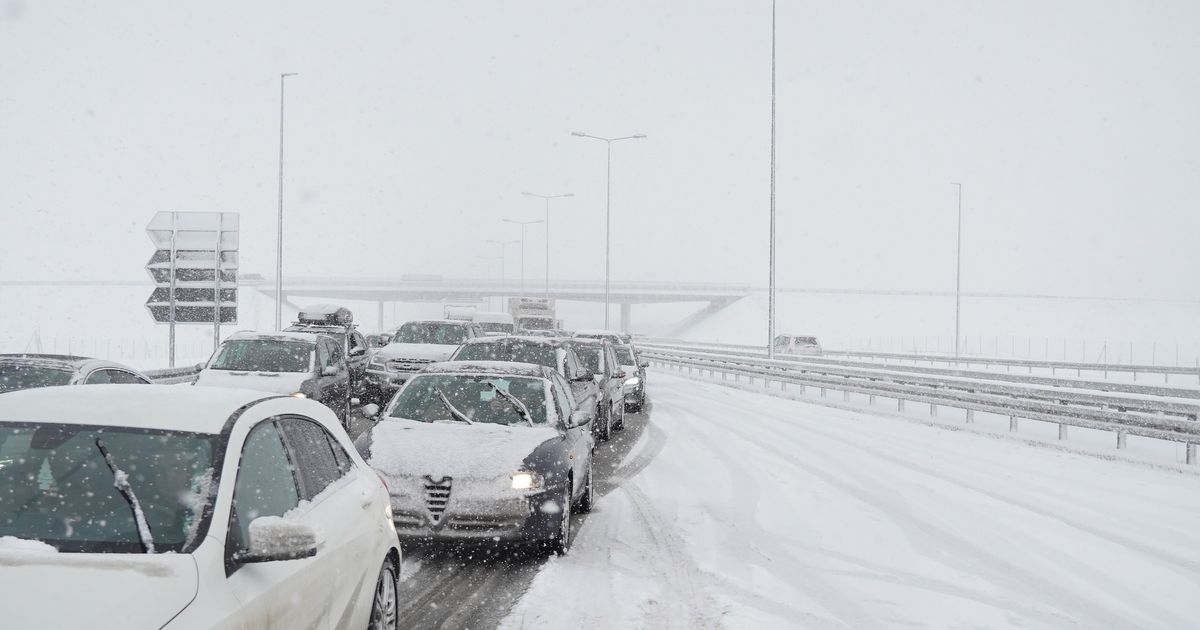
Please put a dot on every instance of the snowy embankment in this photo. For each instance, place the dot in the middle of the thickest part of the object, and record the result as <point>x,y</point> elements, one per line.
<point>741,510</point>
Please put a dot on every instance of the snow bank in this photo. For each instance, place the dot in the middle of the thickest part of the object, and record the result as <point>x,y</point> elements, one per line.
<point>12,543</point>
<point>746,511</point>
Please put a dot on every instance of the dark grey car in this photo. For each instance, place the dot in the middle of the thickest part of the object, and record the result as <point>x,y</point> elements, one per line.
<point>555,353</point>
<point>26,371</point>
<point>484,451</point>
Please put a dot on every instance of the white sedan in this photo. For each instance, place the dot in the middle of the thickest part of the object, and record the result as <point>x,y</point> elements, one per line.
<point>181,507</point>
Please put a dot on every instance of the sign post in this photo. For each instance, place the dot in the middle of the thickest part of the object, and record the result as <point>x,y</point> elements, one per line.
<point>194,270</point>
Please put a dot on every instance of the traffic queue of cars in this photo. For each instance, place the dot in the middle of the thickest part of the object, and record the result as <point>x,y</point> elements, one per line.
<point>229,504</point>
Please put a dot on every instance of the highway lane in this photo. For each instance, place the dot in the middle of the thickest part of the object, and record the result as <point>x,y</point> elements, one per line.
<point>473,586</point>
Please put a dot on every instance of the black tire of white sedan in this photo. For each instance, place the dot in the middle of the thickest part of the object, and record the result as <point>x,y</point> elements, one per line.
<point>606,434</point>
<point>589,495</point>
<point>385,608</point>
<point>561,541</point>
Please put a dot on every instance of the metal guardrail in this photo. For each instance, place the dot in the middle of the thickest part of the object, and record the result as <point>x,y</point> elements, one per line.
<point>1027,379</point>
<point>964,360</point>
<point>1149,419</point>
<point>173,376</point>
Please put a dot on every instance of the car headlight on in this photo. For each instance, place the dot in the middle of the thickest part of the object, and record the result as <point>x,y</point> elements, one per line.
<point>632,381</point>
<point>525,481</point>
<point>299,395</point>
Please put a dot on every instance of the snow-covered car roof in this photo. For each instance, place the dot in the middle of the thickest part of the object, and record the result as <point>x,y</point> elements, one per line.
<point>306,337</point>
<point>504,368</point>
<point>598,332</point>
<point>527,340</point>
<point>169,407</point>
<point>62,361</point>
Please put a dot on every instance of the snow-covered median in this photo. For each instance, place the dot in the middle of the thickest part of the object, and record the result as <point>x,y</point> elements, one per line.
<point>761,512</point>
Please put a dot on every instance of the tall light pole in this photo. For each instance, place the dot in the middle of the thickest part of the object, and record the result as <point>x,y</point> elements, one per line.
<point>607,209</point>
<point>522,224</point>
<point>547,198</point>
<point>503,256</point>
<point>958,272</point>
<point>279,223</point>
<point>771,263</point>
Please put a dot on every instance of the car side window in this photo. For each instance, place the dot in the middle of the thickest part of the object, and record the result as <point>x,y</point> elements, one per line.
<point>563,396</point>
<point>125,378</point>
<point>357,343</point>
<point>99,377</point>
<point>322,355</point>
<point>339,454</point>
<point>574,369</point>
<point>309,447</point>
<point>335,355</point>
<point>266,482</point>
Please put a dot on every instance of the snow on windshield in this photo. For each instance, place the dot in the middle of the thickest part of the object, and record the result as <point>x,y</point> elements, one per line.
<point>263,355</point>
<point>474,396</point>
<point>430,332</point>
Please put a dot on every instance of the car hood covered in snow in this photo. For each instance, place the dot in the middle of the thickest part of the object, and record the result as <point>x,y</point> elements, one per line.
<point>430,351</point>
<point>45,589</point>
<point>406,448</point>
<point>273,382</point>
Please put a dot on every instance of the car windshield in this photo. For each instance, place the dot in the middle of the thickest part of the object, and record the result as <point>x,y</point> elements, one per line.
<point>503,327</point>
<point>589,356</point>
<point>535,323</point>
<point>56,487</point>
<point>624,355</point>
<point>472,395</point>
<point>537,354</point>
<point>264,355</point>
<point>431,332</point>
<point>14,376</point>
<point>806,341</point>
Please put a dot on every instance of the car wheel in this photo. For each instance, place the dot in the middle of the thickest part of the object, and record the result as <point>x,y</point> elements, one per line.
<point>589,494</point>
<point>562,538</point>
<point>606,432</point>
<point>620,424</point>
<point>385,609</point>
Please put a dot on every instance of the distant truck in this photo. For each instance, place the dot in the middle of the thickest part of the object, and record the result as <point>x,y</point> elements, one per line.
<point>530,313</point>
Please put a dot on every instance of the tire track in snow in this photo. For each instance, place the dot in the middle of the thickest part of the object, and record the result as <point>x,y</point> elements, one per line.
<point>928,538</point>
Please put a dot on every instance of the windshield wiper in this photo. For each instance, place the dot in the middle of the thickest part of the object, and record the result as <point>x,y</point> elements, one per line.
<point>121,483</point>
<point>458,415</point>
<point>522,410</point>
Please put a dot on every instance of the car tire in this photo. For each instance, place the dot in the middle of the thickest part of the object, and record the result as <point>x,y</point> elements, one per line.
<point>385,608</point>
<point>561,539</point>
<point>620,424</point>
<point>606,432</point>
<point>589,493</point>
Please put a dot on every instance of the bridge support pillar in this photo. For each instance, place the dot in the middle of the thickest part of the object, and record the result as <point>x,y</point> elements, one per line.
<point>626,309</point>
<point>380,320</point>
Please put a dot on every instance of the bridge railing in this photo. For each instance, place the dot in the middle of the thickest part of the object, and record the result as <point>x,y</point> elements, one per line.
<point>1153,418</point>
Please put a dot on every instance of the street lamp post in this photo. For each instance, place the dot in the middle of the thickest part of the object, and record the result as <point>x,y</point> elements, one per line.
<point>607,209</point>
<point>503,255</point>
<point>279,223</point>
<point>547,198</point>
<point>958,272</point>
<point>522,224</point>
<point>771,263</point>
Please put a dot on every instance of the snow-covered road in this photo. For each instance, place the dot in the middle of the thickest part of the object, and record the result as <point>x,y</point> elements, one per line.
<point>742,510</point>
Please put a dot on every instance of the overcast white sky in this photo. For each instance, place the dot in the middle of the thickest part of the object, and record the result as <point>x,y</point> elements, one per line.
<point>413,128</point>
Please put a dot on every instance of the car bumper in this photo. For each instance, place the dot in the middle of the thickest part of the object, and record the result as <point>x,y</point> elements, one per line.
<point>389,382</point>
<point>508,518</point>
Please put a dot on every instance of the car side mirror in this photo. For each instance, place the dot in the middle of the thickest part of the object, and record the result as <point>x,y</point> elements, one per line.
<point>274,538</point>
<point>643,364</point>
<point>358,352</point>
<point>200,366</point>
<point>370,410</point>
<point>580,417</point>
<point>329,370</point>
<point>619,374</point>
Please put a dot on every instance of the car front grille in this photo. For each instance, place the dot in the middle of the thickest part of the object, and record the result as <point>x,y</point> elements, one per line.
<point>437,496</point>
<point>407,365</point>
